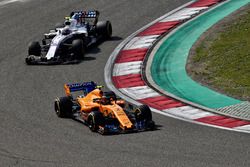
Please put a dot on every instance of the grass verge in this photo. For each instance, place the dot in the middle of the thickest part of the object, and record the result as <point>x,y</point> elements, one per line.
<point>221,57</point>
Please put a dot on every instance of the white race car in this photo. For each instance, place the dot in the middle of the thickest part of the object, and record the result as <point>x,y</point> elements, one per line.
<point>68,42</point>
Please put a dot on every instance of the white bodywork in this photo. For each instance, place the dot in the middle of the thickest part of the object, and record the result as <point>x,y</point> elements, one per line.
<point>74,28</point>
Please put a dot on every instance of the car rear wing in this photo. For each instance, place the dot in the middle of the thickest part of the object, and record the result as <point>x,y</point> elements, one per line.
<point>86,87</point>
<point>90,16</point>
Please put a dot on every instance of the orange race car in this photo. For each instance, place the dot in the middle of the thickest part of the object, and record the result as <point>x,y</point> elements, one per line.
<point>102,111</point>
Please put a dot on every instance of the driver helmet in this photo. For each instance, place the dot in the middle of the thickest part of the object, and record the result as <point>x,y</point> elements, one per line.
<point>105,100</point>
<point>67,21</point>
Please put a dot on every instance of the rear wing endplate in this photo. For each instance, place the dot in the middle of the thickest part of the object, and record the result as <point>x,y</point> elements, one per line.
<point>85,86</point>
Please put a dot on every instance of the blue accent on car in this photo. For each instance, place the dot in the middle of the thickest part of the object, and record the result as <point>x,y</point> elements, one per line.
<point>85,86</point>
<point>140,125</point>
<point>111,128</point>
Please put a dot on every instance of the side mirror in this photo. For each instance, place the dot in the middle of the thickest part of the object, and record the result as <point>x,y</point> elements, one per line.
<point>52,31</point>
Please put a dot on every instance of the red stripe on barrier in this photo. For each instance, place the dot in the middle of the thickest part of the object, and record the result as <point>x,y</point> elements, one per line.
<point>159,28</point>
<point>131,55</point>
<point>161,102</point>
<point>204,3</point>
<point>127,81</point>
<point>223,121</point>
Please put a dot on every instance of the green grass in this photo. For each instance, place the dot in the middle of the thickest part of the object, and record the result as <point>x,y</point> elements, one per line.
<point>222,60</point>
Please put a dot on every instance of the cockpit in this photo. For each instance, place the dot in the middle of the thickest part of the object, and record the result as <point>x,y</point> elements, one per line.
<point>106,100</point>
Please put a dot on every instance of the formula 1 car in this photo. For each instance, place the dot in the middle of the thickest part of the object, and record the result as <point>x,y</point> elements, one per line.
<point>67,42</point>
<point>102,111</point>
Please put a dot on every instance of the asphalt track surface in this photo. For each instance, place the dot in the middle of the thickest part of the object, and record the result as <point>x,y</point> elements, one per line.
<point>32,135</point>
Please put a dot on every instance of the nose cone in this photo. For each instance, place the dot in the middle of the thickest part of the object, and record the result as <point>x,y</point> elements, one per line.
<point>122,117</point>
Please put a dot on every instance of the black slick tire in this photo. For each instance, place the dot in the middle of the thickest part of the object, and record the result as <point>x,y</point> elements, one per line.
<point>95,119</point>
<point>143,112</point>
<point>78,48</point>
<point>150,125</point>
<point>104,28</point>
<point>34,48</point>
<point>63,107</point>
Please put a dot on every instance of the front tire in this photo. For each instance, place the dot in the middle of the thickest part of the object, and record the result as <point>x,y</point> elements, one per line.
<point>63,107</point>
<point>29,59</point>
<point>34,48</point>
<point>95,120</point>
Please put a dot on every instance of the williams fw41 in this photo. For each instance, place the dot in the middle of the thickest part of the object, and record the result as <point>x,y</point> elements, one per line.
<point>68,42</point>
<point>102,111</point>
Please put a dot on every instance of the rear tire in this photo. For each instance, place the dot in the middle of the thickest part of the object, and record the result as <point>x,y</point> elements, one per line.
<point>63,107</point>
<point>78,48</point>
<point>104,28</point>
<point>143,112</point>
<point>34,48</point>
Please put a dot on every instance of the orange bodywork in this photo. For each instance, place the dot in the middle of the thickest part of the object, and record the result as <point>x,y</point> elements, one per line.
<point>92,102</point>
<point>67,90</point>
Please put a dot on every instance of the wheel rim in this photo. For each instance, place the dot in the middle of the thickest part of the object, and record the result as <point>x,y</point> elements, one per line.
<point>91,125</point>
<point>57,108</point>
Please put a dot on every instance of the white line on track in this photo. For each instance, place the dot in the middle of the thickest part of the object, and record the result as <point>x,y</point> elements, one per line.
<point>5,2</point>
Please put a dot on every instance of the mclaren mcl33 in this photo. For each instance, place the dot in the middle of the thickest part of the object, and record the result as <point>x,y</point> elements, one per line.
<point>102,111</point>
